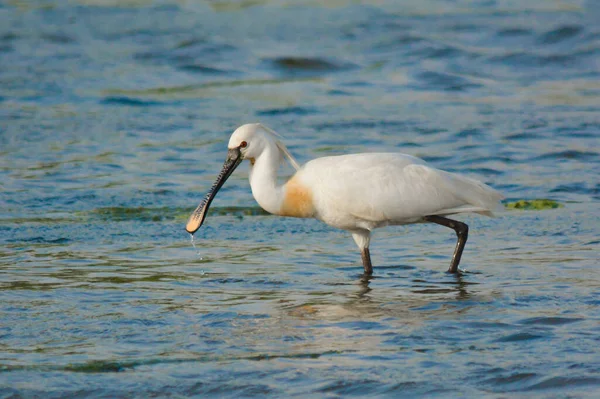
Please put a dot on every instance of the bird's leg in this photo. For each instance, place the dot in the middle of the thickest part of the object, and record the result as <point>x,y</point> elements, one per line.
<point>366,259</point>
<point>362,238</point>
<point>462,232</point>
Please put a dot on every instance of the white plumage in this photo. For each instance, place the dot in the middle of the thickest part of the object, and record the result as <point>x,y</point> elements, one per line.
<point>357,192</point>
<point>372,190</point>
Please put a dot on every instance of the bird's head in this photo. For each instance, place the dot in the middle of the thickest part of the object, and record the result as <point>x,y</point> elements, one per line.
<point>247,142</point>
<point>250,140</point>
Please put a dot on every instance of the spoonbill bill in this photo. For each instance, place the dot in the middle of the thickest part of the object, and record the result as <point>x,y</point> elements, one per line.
<point>356,192</point>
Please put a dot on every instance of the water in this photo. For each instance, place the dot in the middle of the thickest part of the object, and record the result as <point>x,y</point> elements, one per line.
<point>114,122</point>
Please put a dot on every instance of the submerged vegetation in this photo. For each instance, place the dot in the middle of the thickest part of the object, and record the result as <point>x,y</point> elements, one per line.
<point>534,204</point>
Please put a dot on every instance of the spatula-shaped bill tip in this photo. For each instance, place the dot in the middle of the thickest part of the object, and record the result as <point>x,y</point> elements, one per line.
<point>196,218</point>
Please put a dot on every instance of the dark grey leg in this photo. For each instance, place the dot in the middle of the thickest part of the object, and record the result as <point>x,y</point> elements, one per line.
<point>462,232</point>
<point>366,259</point>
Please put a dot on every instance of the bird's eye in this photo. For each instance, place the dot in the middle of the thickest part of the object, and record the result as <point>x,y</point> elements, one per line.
<point>243,144</point>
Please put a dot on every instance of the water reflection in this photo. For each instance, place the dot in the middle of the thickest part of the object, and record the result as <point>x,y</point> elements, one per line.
<point>461,286</point>
<point>410,298</point>
<point>363,283</point>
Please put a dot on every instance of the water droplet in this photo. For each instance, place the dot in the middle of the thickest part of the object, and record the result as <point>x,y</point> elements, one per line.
<point>194,245</point>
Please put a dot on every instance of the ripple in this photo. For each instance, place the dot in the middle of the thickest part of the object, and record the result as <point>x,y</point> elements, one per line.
<point>438,51</point>
<point>483,171</point>
<point>524,136</point>
<point>525,59</point>
<point>523,336</point>
<point>203,69</point>
<point>361,325</point>
<point>550,321</point>
<point>563,383</point>
<point>350,387</point>
<point>359,124</point>
<point>287,111</point>
<point>443,81</point>
<point>560,34</point>
<point>58,38</point>
<point>393,43</point>
<point>512,379</point>
<point>577,188</point>
<point>304,63</point>
<point>42,240</point>
<point>307,66</point>
<point>568,154</point>
<point>194,90</point>
<point>514,32</point>
<point>188,52</point>
<point>133,102</point>
<point>469,133</point>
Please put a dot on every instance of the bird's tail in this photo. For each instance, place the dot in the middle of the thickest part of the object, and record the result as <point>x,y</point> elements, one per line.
<point>475,193</point>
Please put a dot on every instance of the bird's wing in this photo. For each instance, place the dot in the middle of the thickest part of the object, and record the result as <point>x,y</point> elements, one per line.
<point>388,188</point>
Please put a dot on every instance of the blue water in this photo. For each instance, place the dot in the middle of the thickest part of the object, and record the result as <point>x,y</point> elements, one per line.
<point>114,119</point>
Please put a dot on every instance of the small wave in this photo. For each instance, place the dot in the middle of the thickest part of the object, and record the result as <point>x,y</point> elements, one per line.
<point>443,81</point>
<point>438,52</point>
<point>287,111</point>
<point>190,43</point>
<point>126,213</point>
<point>522,59</point>
<point>577,188</point>
<point>186,52</point>
<point>483,171</point>
<point>561,382</point>
<point>550,321</point>
<point>560,34</point>
<point>58,38</point>
<point>194,90</point>
<point>307,66</point>
<point>522,336</point>
<point>405,39</point>
<point>469,133</point>
<point>524,136</point>
<point>359,124</point>
<point>42,240</point>
<point>511,379</point>
<point>203,69</point>
<point>568,154</point>
<point>345,387</point>
<point>514,32</point>
<point>132,102</point>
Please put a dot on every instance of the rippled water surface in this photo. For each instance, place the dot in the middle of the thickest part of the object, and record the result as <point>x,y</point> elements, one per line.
<point>114,118</point>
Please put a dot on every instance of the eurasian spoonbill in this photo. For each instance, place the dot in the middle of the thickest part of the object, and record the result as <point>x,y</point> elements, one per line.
<point>357,192</point>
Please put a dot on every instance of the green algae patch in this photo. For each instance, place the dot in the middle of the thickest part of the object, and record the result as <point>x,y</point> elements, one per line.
<point>121,213</point>
<point>149,214</point>
<point>533,205</point>
<point>98,366</point>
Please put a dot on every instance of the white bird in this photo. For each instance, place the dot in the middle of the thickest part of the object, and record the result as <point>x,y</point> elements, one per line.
<point>357,192</point>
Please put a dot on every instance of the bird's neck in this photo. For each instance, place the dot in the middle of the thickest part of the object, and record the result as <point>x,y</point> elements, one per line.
<point>263,180</point>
